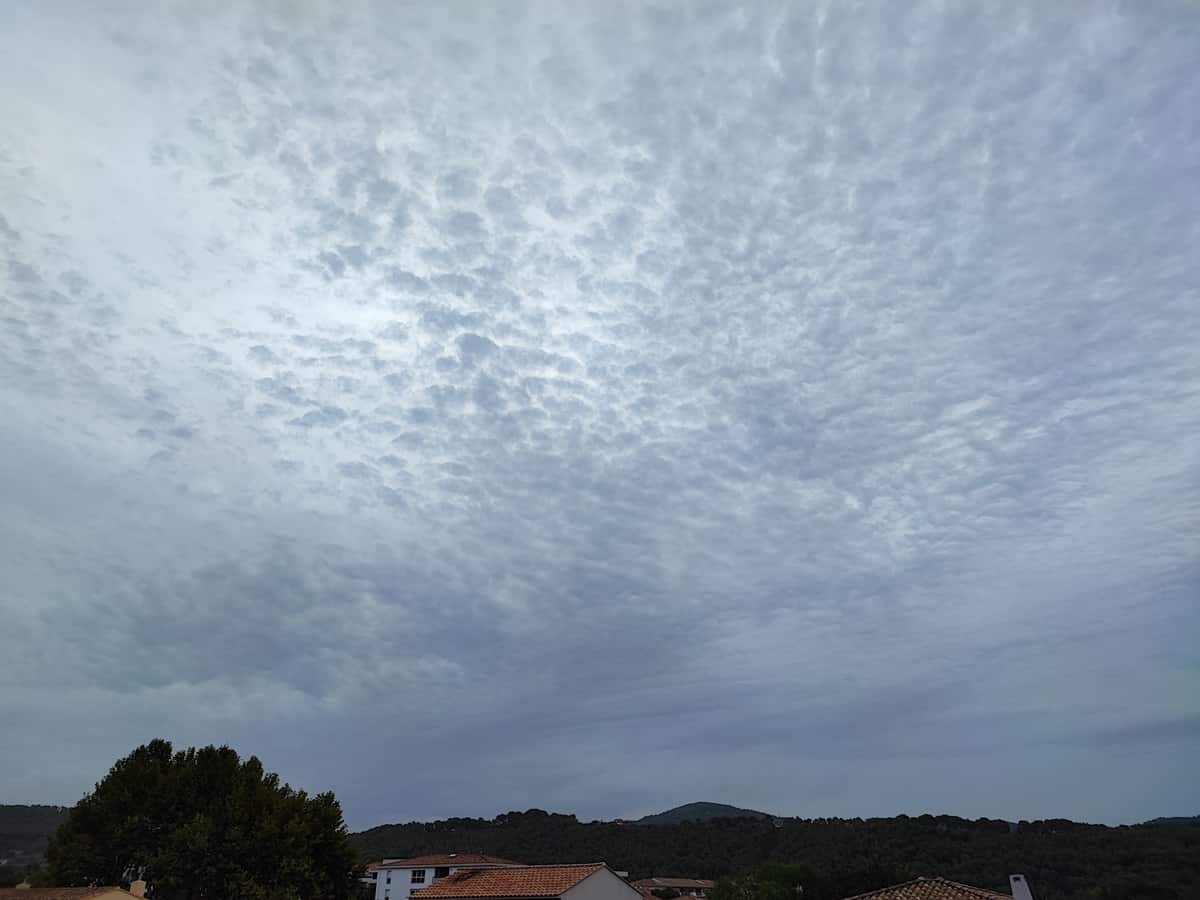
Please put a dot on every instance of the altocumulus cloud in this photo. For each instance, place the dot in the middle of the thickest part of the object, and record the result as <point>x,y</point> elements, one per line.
<point>598,407</point>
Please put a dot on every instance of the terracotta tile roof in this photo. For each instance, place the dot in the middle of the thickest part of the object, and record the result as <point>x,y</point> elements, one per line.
<point>444,859</point>
<point>931,889</point>
<point>58,893</point>
<point>526,881</point>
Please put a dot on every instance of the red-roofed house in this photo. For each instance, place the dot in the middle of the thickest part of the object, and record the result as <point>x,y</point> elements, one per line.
<point>591,881</point>
<point>71,893</point>
<point>136,891</point>
<point>931,889</point>
<point>395,879</point>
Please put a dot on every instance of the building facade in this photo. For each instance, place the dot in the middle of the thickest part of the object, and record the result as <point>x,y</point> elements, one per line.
<point>395,879</point>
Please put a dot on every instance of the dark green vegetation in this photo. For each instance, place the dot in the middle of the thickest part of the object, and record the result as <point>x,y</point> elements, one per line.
<point>1174,820</point>
<point>25,831</point>
<point>202,823</point>
<point>701,812</point>
<point>218,821</point>
<point>837,857</point>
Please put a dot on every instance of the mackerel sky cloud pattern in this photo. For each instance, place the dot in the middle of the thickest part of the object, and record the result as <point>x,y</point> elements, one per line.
<point>599,407</point>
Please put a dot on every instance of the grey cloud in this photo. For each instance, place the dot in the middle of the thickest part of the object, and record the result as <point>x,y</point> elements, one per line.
<point>354,255</point>
<point>7,231</point>
<point>281,391</point>
<point>23,273</point>
<point>394,331</point>
<point>465,225</point>
<point>332,262</point>
<point>390,496</point>
<point>442,319</point>
<point>473,348</point>
<point>831,401</point>
<point>459,285</point>
<point>1184,729</point>
<point>326,416</point>
<point>380,192</point>
<point>260,354</point>
<point>421,415</point>
<point>458,185</point>
<point>407,281</point>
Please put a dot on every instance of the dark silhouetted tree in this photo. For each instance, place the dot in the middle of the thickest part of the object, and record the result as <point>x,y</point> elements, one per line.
<point>202,824</point>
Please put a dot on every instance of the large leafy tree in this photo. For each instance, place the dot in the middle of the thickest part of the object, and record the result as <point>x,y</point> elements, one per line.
<point>203,824</point>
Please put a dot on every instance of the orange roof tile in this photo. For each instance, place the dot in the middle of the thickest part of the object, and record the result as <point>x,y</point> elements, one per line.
<point>931,889</point>
<point>58,893</point>
<point>526,881</point>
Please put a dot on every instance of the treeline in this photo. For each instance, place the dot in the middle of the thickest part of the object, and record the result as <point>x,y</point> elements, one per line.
<point>24,830</point>
<point>24,833</point>
<point>1064,860</point>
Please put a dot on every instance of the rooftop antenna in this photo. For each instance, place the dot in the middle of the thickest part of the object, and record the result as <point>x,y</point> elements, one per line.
<point>1020,887</point>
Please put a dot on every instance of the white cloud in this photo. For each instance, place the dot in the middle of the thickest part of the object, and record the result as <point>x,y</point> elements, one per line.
<point>728,387</point>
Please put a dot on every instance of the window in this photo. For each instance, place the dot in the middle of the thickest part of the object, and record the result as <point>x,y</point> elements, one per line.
<point>389,878</point>
<point>441,871</point>
<point>418,876</point>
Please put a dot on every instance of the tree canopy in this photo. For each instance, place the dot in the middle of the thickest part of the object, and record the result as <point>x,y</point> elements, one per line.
<point>203,824</point>
<point>832,858</point>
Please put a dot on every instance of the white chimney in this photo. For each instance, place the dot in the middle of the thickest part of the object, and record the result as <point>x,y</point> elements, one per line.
<point>1020,887</point>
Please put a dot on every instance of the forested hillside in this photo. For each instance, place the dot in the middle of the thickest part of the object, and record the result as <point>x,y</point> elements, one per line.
<point>701,812</point>
<point>25,830</point>
<point>830,857</point>
<point>1064,860</point>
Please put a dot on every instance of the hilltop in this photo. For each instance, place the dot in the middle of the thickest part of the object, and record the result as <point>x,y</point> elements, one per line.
<point>701,812</point>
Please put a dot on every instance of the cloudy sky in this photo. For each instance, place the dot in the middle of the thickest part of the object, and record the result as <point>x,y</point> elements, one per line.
<point>472,407</point>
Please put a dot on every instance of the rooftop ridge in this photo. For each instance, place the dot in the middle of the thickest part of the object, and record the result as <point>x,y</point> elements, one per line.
<point>969,890</point>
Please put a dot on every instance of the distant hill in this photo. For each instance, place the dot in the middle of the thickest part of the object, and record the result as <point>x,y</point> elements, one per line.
<point>1063,860</point>
<point>25,831</point>
<point>701,812</point>
<point>1174,820</point>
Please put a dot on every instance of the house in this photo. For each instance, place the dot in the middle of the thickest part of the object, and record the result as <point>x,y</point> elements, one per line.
<point>695,887</point>
<point>395,879</point>
<point>592,881</point>
<point>136,891</point>
<point>931,889</point>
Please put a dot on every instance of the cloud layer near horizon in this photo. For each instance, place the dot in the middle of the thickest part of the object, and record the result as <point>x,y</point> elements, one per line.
<point>597,408</point>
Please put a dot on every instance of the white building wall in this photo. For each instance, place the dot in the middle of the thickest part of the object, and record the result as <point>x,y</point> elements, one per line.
<point>401,884</point>
<point>601,885</point>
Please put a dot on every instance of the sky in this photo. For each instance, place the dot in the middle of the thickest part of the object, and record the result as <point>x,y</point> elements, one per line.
<point>598,407</point>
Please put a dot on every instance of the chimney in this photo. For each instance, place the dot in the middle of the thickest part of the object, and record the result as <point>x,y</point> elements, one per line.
<point>137,888</point>
<point>1020,887</point>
